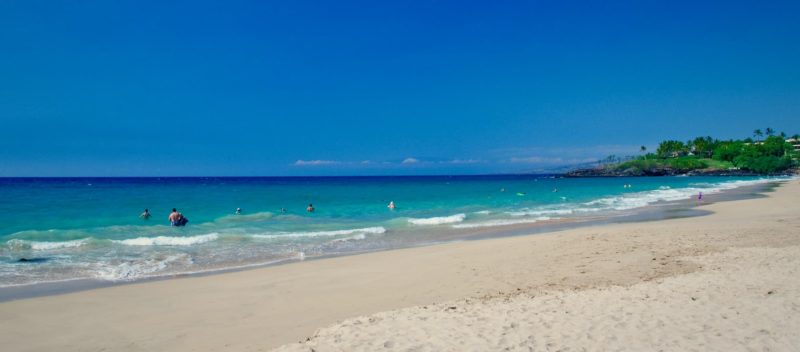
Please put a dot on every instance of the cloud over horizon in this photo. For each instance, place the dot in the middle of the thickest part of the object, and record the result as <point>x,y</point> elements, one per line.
<point>316,162</point>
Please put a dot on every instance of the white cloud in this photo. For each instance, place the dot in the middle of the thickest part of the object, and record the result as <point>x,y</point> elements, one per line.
<point>464,161</point>
<point>315,162</point>
<point>549,160</point>
<point>410,161</point>
<point>533,160</point>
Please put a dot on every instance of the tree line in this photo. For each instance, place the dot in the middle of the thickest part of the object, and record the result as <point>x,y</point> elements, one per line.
<point>761,154</point>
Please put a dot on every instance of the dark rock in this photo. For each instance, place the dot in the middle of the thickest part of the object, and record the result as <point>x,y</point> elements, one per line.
<point>611,171</point>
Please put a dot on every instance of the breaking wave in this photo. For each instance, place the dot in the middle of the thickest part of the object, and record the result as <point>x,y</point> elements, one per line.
<point>169,240</point>
<point>438,220</point>
<point>362,231</point>
<point>44,246</point>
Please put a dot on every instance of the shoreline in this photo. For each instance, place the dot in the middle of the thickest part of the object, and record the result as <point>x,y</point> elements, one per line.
<point>652,212</point>
<point>268,307</point>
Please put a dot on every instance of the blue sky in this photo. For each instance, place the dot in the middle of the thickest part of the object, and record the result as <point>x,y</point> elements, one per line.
<point>112,88</point>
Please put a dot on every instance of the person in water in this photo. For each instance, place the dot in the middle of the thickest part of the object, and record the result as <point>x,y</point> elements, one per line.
<point>177,219</point>
<point>391,205</point>
<point>310,208</point>
<point>238,211</point>
<point>145,215</point>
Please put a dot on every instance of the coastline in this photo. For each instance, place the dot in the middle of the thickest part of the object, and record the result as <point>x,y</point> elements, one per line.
<point>651,212</point>
<point>267,307</point>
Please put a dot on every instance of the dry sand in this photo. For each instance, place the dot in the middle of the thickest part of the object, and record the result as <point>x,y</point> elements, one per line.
<point>719,282</point>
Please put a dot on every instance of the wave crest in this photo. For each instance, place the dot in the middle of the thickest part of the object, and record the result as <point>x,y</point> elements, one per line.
<point>169,240</point>
<point>44,246</point>
<point>438,220</point>
<point>362,231</point>
<point>500,222</point>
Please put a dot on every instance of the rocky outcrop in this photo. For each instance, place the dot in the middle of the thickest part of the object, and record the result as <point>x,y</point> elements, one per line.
<point>612,171</point>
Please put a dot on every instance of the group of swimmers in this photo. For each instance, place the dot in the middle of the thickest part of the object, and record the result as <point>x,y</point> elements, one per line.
<point>177,219</point>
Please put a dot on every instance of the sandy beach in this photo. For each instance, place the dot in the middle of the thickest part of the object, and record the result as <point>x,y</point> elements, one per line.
<point>725,281</point>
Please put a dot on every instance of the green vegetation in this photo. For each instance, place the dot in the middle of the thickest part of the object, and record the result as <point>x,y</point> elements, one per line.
<point>773,154</point>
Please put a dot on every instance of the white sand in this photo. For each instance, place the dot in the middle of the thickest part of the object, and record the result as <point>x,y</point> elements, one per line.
<point>601,275</point>
<point>742,299</point>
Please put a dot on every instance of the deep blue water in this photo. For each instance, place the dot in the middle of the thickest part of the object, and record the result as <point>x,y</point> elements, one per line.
<point>89,228</point>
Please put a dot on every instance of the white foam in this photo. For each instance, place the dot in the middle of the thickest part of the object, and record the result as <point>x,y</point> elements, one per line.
<point>169,240</point>
<point>438,220</point>
<point>542,212</point>
<point>358,237</point>
<point>363,231</point>
<point>44,246</point>
<point>500,222</point>
<point>129,271</point>
<point>666,194</point>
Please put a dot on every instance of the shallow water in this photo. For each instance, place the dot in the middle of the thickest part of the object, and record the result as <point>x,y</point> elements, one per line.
<point>88,228</point>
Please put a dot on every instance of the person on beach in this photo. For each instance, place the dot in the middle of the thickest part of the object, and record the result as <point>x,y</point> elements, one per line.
<point>177,219</point>
<point>310,208</point>
<point>391,205</point>
<point>145,215</point>
<point>700,197</point>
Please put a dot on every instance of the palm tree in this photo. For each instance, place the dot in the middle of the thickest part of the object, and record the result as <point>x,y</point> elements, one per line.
<point>643,149</point>
<point>757,133</point>
<point>770,132</point>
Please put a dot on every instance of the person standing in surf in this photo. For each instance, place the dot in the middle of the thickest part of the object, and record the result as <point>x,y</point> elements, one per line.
<point>145,215</point>
<point>177,219</point>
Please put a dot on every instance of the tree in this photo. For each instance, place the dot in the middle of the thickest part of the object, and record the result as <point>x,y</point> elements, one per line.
<point>727,151</point>
<point>757,133</point>
<point>670,147</point>
<point>770,132</point>
<point>775,146</point>
<point>703,146</point>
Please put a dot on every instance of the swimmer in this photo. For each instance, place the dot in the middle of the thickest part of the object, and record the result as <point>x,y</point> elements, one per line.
<point>555,190</point>
<point>283,210</point>
<point>145,215</point>
<point>391,205</point>
<point>177,219</point>
<point>238,211</point>
<point>310,208</point>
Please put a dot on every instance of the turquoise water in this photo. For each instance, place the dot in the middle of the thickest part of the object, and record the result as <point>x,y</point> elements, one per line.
<point>88,228</point>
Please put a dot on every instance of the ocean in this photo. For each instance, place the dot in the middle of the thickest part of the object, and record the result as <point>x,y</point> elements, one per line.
<point>63,229</point>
